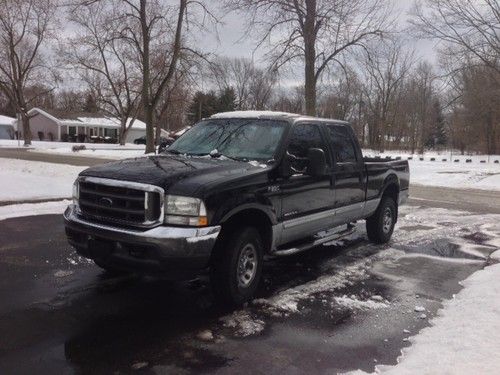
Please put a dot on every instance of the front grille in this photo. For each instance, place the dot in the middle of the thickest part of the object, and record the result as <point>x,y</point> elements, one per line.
<point>120,202</point>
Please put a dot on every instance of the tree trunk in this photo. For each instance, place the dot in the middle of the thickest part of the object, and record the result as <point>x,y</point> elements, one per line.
<point>123,132</point>
<point>26,128</point>
<point>146,96</point>
<point>310,58</point>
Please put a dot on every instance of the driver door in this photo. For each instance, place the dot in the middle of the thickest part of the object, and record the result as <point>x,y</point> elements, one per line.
<point>306,200</point>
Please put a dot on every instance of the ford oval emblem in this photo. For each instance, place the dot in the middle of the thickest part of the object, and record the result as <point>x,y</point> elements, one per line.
<point>107,202</point>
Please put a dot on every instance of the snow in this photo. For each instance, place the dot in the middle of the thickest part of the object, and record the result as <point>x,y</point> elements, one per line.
<point>6,120</point>
<point>464,338</point>
<point>354,302</point>
<point>242,323</point>
<point>288,300</point>
<point>495,256</point>
<point>94,150</point>
<point>252,114</point>
<point>461,175</point>
<point>28,180</point>
<point>29,209</point>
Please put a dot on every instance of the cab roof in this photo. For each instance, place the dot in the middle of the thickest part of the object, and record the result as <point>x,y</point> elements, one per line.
<point>292,117</point>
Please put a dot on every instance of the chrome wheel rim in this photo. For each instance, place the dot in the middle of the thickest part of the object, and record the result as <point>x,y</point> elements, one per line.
<point>387,220</point>
<point>247,265</point>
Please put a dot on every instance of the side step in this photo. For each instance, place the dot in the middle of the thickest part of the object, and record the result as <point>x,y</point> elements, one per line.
<point>318,240</point>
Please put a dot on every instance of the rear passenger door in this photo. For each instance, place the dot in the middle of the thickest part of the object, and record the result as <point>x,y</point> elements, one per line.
<point>348,174</point>
<point>306,199</point>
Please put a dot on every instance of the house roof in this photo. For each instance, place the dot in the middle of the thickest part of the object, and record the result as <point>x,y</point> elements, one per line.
<point>6,120</point>
<point>85,119</point>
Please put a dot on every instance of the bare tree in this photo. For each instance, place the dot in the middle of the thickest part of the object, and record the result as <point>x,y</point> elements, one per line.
<point>156,30</point>
<point>316,32</point>
<point>467,28</point>
<point>384,70</point>
<point>104,61</point>
<point>25,26</point>
<point>253,86</point>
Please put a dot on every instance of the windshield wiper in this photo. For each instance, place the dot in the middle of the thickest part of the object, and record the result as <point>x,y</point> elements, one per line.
<point>176,152</point>
<point>216,154</point>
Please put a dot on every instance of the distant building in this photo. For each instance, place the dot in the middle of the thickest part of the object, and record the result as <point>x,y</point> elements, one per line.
<point>49,125</point>
<point>7,129</point>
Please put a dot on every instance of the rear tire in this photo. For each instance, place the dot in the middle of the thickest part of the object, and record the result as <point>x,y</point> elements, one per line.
<point>380,225</point>
<point>236,266</point>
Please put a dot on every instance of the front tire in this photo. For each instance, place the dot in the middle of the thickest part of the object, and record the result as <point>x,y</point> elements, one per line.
<point>236,266</point>
<point>380,225</point>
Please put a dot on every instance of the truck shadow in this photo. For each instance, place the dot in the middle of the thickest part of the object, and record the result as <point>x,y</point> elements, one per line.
<point>147,320</point>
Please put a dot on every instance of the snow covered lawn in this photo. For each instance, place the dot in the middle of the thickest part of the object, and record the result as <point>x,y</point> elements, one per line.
<point>464,338</point>
<point>460,175</point>
<point>29,209</point>
<point>28,180</point>
<point>98,150</point>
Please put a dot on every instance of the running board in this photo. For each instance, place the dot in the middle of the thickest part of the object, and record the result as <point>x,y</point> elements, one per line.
<point>318,241</point>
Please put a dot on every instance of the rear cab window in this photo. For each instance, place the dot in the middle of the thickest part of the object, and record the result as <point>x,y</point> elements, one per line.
<point>341,143</point>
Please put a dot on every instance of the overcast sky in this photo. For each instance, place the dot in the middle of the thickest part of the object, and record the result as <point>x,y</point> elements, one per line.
<point>232,44</point>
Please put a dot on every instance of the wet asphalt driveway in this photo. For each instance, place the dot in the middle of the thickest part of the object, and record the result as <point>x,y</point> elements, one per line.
<point>346,306</point>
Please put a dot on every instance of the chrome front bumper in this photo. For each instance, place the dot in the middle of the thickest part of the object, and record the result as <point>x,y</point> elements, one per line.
<point>162,248</point>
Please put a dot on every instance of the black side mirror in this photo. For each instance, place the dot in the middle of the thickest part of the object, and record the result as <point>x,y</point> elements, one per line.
<point>285,168</point>
<point>317,162</point>
<point>162,147</point>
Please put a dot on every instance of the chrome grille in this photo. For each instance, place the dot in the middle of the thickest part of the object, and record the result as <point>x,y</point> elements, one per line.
<point>121,202</point>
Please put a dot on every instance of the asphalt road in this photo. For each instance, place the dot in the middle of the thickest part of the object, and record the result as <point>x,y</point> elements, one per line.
<point>25,154</point>
<point>61,314</point>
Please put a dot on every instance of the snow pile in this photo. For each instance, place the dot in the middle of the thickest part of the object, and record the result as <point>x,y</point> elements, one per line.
<point>29,209</point>
<point>24,180</point>
<point>288,300</point>
<point>354,303</point>
<point>243,324</point>
<point>464,338</point>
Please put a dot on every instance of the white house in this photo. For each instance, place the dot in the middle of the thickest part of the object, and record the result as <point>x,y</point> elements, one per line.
<point>7,127</point>
<point>79,127</point>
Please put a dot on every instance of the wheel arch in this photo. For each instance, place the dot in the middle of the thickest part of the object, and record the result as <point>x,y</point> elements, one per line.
<point>250,216</point>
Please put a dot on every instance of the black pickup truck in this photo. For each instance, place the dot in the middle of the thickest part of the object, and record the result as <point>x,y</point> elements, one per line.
<point>235,187</point>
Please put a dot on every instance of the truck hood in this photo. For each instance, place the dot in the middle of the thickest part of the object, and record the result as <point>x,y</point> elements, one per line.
<point>177,174</point>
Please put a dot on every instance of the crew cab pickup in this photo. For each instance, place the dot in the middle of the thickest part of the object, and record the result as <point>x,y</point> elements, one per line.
<point>235,187</point>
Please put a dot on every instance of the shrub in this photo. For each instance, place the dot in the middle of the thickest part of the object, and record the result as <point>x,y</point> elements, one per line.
<point>77,148</point>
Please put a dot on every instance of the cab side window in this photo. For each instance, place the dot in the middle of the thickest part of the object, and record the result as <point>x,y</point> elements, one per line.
<point>303,138</point>
<point>342,144</point>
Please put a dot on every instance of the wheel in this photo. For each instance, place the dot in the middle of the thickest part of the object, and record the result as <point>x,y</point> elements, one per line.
<point>380,225</point>
<point>236,266</point>
<point>109,268</point>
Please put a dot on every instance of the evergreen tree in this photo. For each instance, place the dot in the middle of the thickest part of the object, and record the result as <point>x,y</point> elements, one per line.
<point>202,106</point>
<point>227,100</point>
<point>90,104</point>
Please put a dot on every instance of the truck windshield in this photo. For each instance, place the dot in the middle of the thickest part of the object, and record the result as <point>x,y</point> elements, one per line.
<point>241,139</point>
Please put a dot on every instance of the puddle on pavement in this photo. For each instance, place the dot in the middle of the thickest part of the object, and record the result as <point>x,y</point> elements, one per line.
<point>477,237</point>
<point>410,228</point>
<point>441,247</point>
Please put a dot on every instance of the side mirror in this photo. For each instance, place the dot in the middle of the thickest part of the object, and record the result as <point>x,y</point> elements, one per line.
<point>317,162</point>
<point>162,147</point>
<point>285,168</point>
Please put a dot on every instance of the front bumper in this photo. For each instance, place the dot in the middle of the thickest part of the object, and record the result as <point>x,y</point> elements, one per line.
<point>173,251</point>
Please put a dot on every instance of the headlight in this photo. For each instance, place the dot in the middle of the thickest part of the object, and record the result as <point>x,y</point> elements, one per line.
<point>76,192</point>
<point>181,210</point>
